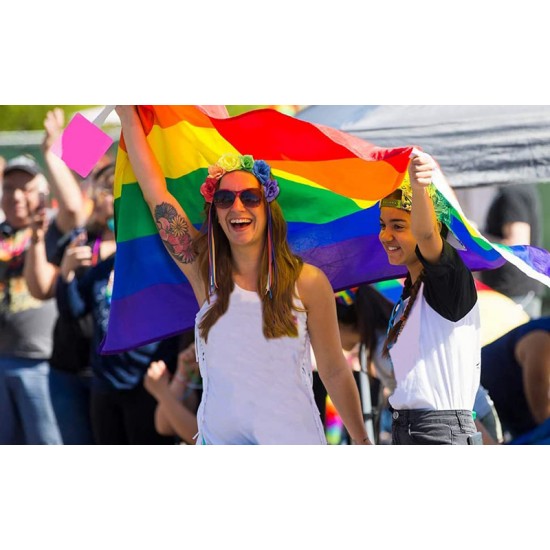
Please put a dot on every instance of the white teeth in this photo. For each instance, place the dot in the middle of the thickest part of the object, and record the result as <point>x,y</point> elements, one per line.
<point>392,248</point>
<point>240,220</point>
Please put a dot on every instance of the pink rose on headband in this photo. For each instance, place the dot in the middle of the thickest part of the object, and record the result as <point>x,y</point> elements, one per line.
<point>215,171</point>
<point>208,188</point>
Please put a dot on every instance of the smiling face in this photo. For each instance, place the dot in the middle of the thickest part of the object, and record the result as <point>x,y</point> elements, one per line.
<point>242,225</point>
<point>20,197</point>
<point>397,238</point>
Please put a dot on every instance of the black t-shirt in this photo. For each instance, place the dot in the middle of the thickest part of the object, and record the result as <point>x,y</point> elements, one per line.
<point>71,338</point>
<point>449,287</point>
<point>515,203</point>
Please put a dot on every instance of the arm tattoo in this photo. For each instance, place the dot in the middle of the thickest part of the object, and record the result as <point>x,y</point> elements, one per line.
<point>174,232</point>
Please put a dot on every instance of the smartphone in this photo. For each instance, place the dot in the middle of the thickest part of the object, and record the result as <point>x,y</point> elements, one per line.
<point>79,234</point>
<point>475,439</point>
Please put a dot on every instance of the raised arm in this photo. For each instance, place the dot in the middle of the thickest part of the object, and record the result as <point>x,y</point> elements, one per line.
<point>318,298</point>
<point>40,275</point>
<point>175,229</point>
<point>64,184</point>
<point>424,224</point>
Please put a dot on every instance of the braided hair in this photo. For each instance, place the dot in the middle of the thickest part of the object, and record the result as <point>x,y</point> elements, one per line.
<point>397,328</point>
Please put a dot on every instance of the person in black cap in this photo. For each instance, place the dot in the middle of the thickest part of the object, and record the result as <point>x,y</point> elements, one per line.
<point>25,323</point>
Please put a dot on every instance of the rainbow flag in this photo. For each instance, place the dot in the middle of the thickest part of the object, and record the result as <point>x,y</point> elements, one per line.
<point>330,184</point>
<point>391,289</point>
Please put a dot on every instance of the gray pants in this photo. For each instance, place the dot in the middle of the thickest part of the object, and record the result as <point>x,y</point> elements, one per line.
<point>422,427</point>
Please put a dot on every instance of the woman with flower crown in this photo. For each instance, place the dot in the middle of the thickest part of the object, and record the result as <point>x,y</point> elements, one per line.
<point>260,305</point>
<point>433,335</point>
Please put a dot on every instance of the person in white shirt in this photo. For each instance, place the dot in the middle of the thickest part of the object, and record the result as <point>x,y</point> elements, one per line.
<point>260,305</point>
<point>434,332</point>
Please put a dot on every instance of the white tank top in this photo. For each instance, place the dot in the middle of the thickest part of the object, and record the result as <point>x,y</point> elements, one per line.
<point>255,390</point>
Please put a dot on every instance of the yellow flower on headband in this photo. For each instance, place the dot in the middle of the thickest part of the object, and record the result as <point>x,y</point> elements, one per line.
<point>230,162</point>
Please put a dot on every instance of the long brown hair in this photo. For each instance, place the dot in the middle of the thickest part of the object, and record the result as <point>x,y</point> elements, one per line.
<point>278,316</point>
<point>397,328</point>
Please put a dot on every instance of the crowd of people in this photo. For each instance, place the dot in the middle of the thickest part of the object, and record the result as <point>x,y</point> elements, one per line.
<point>272,340</point>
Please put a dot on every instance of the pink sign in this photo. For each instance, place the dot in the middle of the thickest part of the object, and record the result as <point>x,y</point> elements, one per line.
<point>81,145</point>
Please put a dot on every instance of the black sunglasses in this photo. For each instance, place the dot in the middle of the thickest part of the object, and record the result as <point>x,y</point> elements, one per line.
<point>251,198</point>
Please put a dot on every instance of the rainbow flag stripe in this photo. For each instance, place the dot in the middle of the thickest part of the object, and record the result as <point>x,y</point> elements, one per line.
<point>330,184</point>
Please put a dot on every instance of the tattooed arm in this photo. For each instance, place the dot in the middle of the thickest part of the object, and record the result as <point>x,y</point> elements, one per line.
<point>175,229</point>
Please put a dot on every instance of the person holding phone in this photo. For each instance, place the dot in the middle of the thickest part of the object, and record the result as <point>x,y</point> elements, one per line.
<point>26,411</point>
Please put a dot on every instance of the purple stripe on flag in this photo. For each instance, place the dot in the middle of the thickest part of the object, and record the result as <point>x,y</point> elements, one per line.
<point>162,319</point>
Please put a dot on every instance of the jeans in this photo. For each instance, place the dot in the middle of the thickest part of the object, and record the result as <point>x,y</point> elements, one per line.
<point>385,420</point>
<point>422,427</point>
<point>70,393</point>
<point>26,412</point>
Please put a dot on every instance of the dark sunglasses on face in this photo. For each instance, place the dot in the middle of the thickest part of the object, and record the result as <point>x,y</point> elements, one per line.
<point>251,198</point>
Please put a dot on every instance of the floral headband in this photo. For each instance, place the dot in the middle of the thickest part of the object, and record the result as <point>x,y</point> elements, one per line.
<point>231,162</point>
<point>262,171</point>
